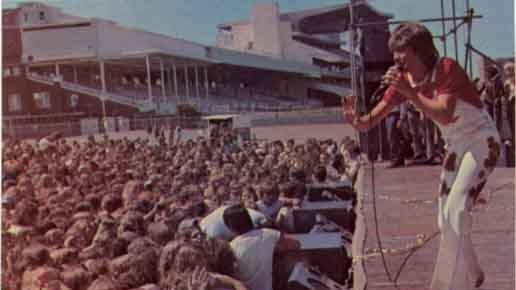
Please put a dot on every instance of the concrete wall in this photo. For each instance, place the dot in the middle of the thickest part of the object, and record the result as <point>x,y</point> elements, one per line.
<point>242,36</point>
<point>270,36</point>
<point>265,21</point>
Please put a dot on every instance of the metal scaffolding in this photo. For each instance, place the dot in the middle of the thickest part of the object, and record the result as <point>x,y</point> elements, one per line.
<point>466,20</point>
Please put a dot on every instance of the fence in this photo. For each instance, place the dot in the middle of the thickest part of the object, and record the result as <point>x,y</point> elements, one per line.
<point>37,127</point>
<point>34,131</point>
<point>318,116</point>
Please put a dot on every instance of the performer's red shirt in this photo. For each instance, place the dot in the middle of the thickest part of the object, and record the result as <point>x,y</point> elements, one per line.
<point>450,79</point>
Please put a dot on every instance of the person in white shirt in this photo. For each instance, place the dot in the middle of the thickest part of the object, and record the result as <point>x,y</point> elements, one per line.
<point>254,252</point>
<point>220,223</point>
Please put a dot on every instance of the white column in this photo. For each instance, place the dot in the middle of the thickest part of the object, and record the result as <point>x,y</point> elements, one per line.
<point>169,83</point>
<point>197,93</point>
<point>104,89</point>
<point>57,70</point>
<point>186,82</point>
<point>162,76</point>
<point>206,82</point>
<point>174,69</point>
<point>147,67</point>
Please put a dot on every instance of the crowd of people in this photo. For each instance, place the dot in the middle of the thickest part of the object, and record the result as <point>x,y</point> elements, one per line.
<point>412,135</point>
<point>159,213</point>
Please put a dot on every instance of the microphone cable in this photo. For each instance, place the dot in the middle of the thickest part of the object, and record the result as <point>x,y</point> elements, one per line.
<point>375,96</point>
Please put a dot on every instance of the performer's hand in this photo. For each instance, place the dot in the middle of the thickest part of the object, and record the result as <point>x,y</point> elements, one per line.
<point>404,88</point>
<point>349,112</point>
<point>392,73</point>
<point>394,77</point>
<point>348,109</point>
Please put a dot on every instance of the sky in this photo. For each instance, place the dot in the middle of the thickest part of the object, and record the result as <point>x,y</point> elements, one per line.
<point>196,20</point>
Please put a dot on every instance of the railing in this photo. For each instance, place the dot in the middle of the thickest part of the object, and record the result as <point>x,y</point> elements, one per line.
<point>143,105</point>
<point>17,131</point>
<point>210,105</point>
<point>323,115</point>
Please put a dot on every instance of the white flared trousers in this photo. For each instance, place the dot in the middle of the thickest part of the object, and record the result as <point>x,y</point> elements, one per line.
<point>465,169</point>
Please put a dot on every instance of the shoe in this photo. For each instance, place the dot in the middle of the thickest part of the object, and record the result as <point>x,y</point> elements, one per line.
<point>431,161</point>
<point>420,157</point>
<point>420,160</point>
<point>480,280</point>
<point>397,163</point>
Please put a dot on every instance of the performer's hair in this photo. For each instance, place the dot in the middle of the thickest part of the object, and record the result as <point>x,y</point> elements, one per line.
<point>416,36</point>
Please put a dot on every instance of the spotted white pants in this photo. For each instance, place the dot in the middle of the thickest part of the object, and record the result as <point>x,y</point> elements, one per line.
<point>465,170</point>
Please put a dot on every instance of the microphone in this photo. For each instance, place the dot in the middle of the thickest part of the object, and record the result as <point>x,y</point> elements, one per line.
<point>384,84</point>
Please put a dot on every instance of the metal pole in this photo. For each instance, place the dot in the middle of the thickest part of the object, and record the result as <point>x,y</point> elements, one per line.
<point>443,24</point>
<point>162,80</point>
<point>470,28</point>
<point>455,32</point>
<point>57,70</point>
<point>147,68</point>
<point>104,90</point>
<point>206,82</point>
<point>197,93</point>
<point>174,69</point>
<point>352,49</point>
<point>423,20</point>
<point>169,83</point>
<point>186,82</point>
<point>485,56</point>
<point>352,27</point>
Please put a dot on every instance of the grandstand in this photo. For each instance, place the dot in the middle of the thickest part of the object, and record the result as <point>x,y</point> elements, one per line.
<point>56,63</point>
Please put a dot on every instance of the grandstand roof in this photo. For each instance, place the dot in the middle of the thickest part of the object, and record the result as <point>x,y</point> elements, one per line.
<point>341,10</point>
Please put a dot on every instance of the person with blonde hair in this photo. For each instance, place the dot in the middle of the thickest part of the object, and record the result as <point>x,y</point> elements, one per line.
<point>442,90</point>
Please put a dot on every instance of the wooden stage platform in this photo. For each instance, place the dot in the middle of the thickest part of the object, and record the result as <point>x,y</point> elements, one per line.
<point>407,207</point>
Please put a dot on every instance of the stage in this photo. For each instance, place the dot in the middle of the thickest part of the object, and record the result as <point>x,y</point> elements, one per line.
<point>407,207</point>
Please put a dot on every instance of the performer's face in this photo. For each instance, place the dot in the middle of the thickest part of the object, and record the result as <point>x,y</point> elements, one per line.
<point>407,60</point>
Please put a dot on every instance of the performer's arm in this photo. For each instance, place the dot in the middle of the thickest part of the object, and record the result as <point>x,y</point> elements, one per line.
<point>370,120</point>
<point>440,110</point>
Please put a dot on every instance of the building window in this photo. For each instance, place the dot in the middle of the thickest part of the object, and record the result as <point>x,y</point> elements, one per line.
<point>42,100</point>
<point>41,15</point>
<point>7,72</point>
<point>16,71</point>
<point>14,102</point>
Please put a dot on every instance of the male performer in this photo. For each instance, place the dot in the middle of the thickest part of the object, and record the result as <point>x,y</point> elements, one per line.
<point>441,89</point>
